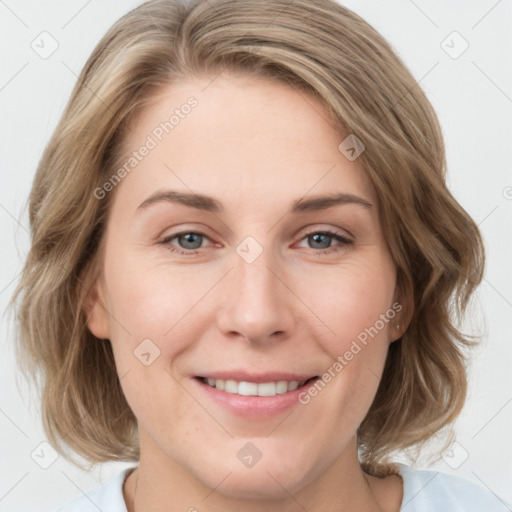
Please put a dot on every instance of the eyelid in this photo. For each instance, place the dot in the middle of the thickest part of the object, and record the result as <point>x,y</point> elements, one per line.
<point>342,239</point>
<point>166,239</point>
<point>199,229</point>
<point>316,228</point>
<point>338,235</point>
<point>308,230</point>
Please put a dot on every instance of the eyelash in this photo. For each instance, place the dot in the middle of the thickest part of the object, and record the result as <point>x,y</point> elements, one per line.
<point>344,242</point>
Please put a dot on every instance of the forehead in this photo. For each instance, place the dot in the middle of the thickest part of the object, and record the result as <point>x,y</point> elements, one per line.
<point>231,134</point>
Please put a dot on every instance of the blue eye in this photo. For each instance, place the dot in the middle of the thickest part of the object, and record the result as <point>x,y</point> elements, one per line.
<point>322,241</point>
<point>190,241</point>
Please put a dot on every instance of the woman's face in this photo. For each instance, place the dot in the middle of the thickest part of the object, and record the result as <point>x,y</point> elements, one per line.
<point>217,265</point>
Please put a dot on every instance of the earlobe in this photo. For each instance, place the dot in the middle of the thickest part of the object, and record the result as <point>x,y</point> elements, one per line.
<point>95,311</point>
<point>404,309</point>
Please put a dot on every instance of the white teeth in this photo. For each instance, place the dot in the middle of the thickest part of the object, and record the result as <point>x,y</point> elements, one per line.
<point>293,385</point>
<point>255,389</point>
<point>267,389</point>
<point>281,386</point>
<point>231,386</point>
<point>247,388</point>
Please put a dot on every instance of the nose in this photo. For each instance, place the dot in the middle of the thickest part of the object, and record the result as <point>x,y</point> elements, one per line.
<point>258,301</point>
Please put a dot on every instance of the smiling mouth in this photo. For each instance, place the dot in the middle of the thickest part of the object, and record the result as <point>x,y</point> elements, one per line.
<point>244,388</point>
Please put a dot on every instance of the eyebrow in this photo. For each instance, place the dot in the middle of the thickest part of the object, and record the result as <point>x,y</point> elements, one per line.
<point>209,204</point>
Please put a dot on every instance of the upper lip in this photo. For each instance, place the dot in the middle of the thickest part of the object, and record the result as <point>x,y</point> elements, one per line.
<point>244,376</point>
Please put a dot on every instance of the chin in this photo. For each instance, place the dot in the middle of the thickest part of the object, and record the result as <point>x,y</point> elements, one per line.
<point>271,478</point>
<point>258,484</point>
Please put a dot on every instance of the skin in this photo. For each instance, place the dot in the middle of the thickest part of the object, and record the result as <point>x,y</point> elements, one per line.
<point>255,146</point>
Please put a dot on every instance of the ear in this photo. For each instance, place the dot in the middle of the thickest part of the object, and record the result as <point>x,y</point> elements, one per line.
<point>95,310</point>
<point>403,305</point>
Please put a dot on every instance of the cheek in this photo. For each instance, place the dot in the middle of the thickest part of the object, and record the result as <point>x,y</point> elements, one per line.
<point>154,319</point>
<point>150,329</point>
<point>350,301</point>
<point>355,307</point>
<point>155,303</point>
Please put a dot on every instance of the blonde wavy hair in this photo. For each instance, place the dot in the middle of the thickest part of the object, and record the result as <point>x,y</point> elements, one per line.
<point>318,47</point>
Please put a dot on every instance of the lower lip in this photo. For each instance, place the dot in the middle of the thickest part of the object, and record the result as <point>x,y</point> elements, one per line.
<point>253,406</point>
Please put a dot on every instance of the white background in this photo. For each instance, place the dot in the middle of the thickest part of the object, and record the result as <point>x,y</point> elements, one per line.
<point>472,95</point>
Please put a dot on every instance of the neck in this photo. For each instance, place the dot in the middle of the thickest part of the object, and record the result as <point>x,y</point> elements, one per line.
<point>161,484</point>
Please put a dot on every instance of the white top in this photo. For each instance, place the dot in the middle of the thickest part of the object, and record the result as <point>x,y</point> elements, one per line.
<point>424,491</point>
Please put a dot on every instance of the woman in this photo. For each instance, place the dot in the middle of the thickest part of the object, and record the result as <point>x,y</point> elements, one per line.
<point>244,264</point>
